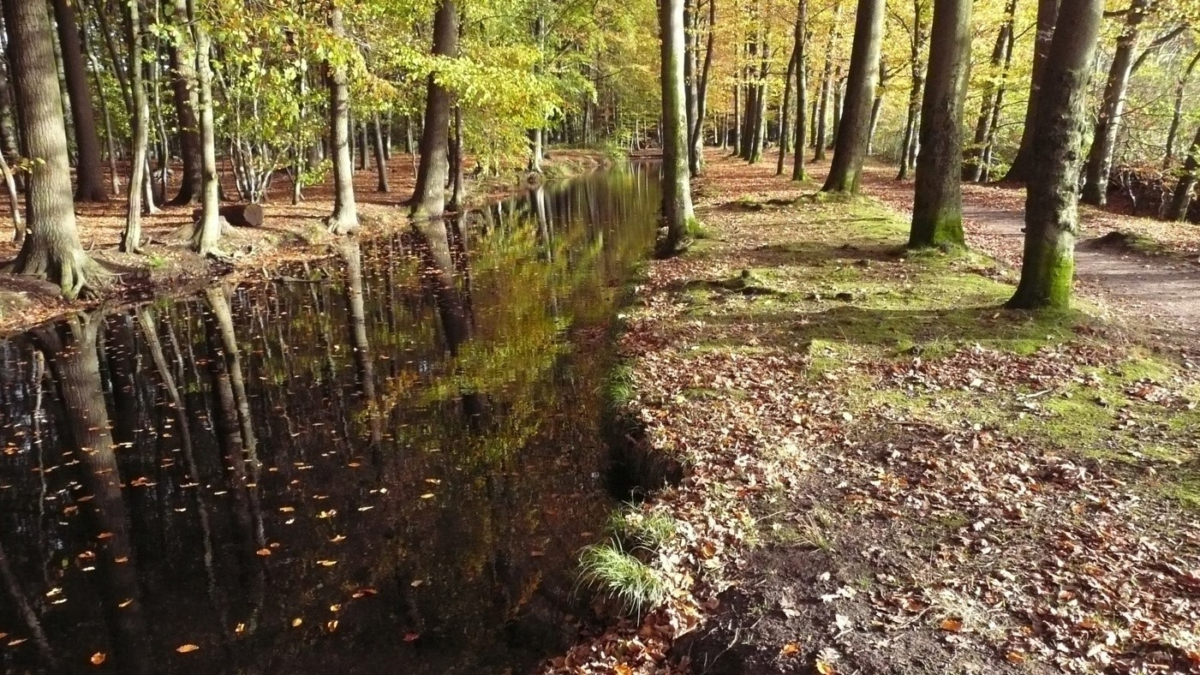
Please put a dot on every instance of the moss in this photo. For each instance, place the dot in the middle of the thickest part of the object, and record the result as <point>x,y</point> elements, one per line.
<point>942,230</point>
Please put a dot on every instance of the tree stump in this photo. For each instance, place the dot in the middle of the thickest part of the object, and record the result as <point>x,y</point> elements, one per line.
<point>238,215</point>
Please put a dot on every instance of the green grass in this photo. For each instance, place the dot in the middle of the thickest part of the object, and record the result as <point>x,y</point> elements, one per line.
<point>632,584</point>
<point>635,528</point>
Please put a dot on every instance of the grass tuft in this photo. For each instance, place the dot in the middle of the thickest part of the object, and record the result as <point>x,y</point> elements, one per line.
<point>632,584</point>
<point>637,528</point>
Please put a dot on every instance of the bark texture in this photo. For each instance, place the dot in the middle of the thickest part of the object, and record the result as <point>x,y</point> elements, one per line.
<point>207,231</point>
<point>1052,197</point>
<point>89,175</point>
<point>429,196</point>
<point>1047,18</point>
<point>1185,189</point>
<point>678,217</point>
<point>344,218</point>
<point>845,171</point>
<point>937,207</point>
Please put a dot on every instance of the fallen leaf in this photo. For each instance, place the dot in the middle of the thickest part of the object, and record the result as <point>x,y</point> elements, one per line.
<point>296,622</point>
<point>184,649</point>
<point>951,624</point>
<point>790,649</point>
<point>411,637</point>
<point>98,658</point>
<point>263,552</point>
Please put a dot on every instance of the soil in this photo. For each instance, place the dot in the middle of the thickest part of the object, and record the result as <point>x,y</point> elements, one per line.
<point>290,234</point>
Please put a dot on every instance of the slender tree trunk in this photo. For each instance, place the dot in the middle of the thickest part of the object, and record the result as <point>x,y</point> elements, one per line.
<point>380,157</point>
<point>746,137</point>
<point>52,248</point>
<point>827,84</point>
<point>1177,113</point>
<point>110,140</point>
<point>362,145</point>
<point>736,130</point>
<point>758,131</point>
<point>876,107</point>
<point>989,143</point>
<point>429,197</point>
<point>183,74</point>
<point>344,218</point>
<point>678,216</point>
<point>690,42</point>
<point>973,171</point>
<point>785,114</point>
<point>801,40</point>
<point>131,236</point>
<point>845,171</point>
<point>1022,164</point>
<point>456,162</point>
<point>14,201</point>
<point>1051,202</point>
<point>1104,138</point>
<point>535,135</point>
<point>89,175</point>
<point>207,230</point>
<point>937,207</point>
<point>697,132</point>
<point>1181,201</point>
<point>839,84</point>
<point>9,143</point>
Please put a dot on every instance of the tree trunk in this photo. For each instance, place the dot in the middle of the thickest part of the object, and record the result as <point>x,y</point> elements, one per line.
<point>973,169</point>
<point>678,216</point>
<point>1177,114</point>
<point>689,79</point>
<point>1051,202</point>
<point>380,157</point>
<point>845,171</point>
<point>758,130</point>
<point>989,143</point>
<point>746,137</point>
<point>876,107</point>
<point>839,84</point>
<point>207,231</point>
<point>801,47</point>
<point>1181,201</point>
<point>14,201</point>
<point>344,218</point>
<point>736,130</point>
<point>697,132</point>
<point>456,162</point>
<point>429,197</point>
<point>110,141</point>
<point>1112,106</point>
<point>786,112</point>
<point>131,236</point>
<point>937,207</point>
<point>1022,165</point>
<point>183,74</point>
<point>827,85</point>
<point>51,249</point>
<point>89,175</point>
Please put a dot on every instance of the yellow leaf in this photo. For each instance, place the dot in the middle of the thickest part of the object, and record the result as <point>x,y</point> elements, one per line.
<point>623,669</point>
<point>126,603</point>
<point>790,649</point>
<point>327,563</point>
<point>826,668</point>
<point>184,649</point>
<point>296,622</point>
<point>427,495</point>
<point>1015,657</point>
<point>263,552</point>
<point>98,658</point>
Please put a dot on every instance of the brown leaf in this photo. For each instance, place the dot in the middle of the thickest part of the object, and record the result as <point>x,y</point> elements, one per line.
<point>98,658</point>
<point>184,649</point>
<point>951,624</point>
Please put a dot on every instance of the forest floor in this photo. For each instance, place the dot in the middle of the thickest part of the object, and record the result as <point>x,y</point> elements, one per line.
<point>289,234</point>
<point>887,472</point>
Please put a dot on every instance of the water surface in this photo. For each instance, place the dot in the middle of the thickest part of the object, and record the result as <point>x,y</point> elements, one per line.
<point>385,462</point>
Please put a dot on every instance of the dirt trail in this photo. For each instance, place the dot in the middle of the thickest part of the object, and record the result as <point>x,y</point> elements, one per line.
<point>1161,294</point>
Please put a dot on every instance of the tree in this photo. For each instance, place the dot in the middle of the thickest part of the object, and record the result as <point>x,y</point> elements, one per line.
<point>1047,17</point>
<point>801,47</point>
<point>678,216</point>
<point>182,54</point>
<point>1184,189</point>
<point>937,207</point>
<point>207,230</point>
<point>1177,112</point>
<point>992,97</point>
<point>344,218</point>
<point>51,249</point>
<point>1104,138</point>
<point>853,132</point>
<point>696,141</point>
<point>1052,195</point>
<point>131,236</point>
<point>918,36</point>
<point>429,196</point>
<point>89,176</point>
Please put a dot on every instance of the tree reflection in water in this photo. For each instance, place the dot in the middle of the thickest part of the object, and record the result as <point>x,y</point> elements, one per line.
<point>386,466</point>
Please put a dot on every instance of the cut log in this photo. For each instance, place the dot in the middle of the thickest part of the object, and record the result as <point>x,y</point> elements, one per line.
<point>238,215</point>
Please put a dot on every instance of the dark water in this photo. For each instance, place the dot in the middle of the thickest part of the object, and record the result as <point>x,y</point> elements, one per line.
<point>386,467</point>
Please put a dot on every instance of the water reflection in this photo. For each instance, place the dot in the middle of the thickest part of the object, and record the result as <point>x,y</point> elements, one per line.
<point>384,464</point>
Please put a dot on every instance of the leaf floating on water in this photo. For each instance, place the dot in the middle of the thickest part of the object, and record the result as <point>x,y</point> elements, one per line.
<point>364,592</point>
<point>122,560</point>
<point>14,643</point>
<point>338,538</point>
<point>327,563</point>
<point>263,552</point>
<point>417,582</point>
<point>412,637</point>
<point>127,602</point>
<point>427,495</point>
<point>296,622</point>
<point>335,608</point>
<point>186,649</point>
<point>433,481</point>
<point>98,658</point>
<point>104,535</point>
<point>365,508</point>
<point>240,628</point>
<point>287,509</point>
<point>331,625</point>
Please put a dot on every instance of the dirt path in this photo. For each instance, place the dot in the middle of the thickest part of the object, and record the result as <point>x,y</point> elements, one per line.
<point>1160,293</point>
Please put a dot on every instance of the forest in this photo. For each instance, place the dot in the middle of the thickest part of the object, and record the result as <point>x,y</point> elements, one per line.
<point>599,336</point>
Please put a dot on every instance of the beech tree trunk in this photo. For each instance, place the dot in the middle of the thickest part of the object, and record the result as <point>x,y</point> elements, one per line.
<point>827,84</point>
<point>344,218</point>
<point>1112,106</point>
<point>429,196</point>
<point>131,236</point>
<point>51,249</point>
<point>678,217</point>
<point>937,207</point>
<point>88,174</point>
<point>1047,17</point>
<point>1177,114</point>
<point>974,168</point>
<point>845,171</point>
<point>380,157</point>
<point>916,45</point>
<point>697,131</point>
<point>1181,201</point>
<point>786,111</point>
<point>456,163</point>
<point>182,56</point>
<point>1051,202</point>
<point>801,47</point>
<point>207,231</point>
